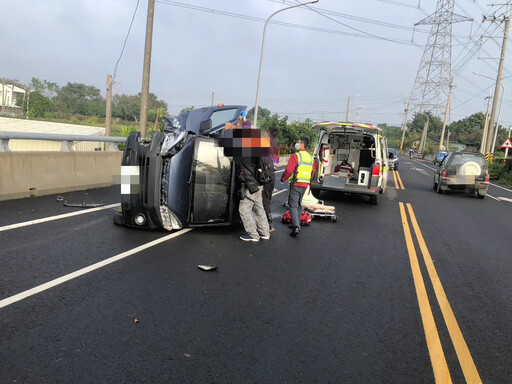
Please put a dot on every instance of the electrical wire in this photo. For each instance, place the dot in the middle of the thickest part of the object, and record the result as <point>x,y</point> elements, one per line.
<point>126,39</point>
<point>358,18</point>
<point>299,26</point>
<point>468,100</point>
<point>400,4</point>
<point>356,29</point>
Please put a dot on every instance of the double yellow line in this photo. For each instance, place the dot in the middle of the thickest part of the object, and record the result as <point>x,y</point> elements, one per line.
<point>396,176</point>
<point>437,357</point>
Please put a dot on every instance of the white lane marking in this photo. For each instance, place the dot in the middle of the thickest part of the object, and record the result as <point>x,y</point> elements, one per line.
<point>499,186</point>
<point>71,214</point>
<point>73,275</point>
<point>83,271</point>
<point>425,165</point>
<point>420,170</point>
<point>492,197</point>
<point>503,199</point>
<point>58,217</point>
<point>278,192</point>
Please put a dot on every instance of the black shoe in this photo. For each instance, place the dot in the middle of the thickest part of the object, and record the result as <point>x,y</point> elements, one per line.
<point>295,231</point>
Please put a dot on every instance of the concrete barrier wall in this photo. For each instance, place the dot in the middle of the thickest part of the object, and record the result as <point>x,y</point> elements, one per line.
<point>25,174</point>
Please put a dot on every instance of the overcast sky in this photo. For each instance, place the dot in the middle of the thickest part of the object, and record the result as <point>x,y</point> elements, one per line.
<point>311,64</point>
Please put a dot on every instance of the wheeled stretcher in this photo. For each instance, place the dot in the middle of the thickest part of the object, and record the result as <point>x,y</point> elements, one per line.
<point>321,212</point>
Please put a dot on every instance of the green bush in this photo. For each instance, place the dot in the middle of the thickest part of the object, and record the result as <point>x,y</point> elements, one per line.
<point>92,121</point>
<point>496,169</point>
<point>506,178</point>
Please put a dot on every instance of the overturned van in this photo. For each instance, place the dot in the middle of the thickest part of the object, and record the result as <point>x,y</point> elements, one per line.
<point>352,158</point>
<point>180,177</point>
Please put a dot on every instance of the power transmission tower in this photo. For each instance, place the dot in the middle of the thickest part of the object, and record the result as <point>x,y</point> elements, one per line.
<point>432,84</point>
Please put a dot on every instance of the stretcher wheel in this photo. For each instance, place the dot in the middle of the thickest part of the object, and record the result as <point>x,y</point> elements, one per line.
<point>334,218</point>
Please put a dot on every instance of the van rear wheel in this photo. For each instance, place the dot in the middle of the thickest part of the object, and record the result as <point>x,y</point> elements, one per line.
<point>479,195</point>
<point>374,199</point>
<point>316,192</point>
<point>439,189</point>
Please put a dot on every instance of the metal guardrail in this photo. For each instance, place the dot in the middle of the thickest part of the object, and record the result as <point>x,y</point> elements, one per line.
<point>67,140</point>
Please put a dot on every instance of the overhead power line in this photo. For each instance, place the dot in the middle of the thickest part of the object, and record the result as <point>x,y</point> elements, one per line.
<point>126,39</point>
<point>400,4</point>
<point>356,29</point>
<point>362,34</point>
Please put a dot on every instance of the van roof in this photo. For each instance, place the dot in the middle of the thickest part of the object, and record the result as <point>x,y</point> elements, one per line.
<point>331,124</point>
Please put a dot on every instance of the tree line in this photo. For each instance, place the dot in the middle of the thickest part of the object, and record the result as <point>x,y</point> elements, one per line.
<point>467,131</point>
<point>49,100</point>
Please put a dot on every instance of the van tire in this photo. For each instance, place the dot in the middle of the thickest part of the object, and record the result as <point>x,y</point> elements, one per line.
<point>478,194</point>
<point>374,199</point>
<point>316,192</point>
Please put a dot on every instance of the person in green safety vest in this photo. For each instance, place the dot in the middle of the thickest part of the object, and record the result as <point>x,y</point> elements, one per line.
<point>300,167</point>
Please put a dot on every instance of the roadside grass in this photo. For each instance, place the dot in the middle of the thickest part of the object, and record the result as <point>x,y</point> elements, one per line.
<point>500,170</point>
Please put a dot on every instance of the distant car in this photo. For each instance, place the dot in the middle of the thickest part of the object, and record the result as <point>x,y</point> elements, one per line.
<point>393,158</point>
<point>440,155</point>
<point>462,171</point>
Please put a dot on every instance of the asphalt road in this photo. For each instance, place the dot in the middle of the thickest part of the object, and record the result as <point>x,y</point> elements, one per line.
<point>414,290</point>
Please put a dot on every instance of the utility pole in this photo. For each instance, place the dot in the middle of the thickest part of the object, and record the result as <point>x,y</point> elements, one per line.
<point>506,149</point>
<point>423,140</point>
<point>108,112</point>
<point>486,124</point>
<point>146,70</point>
<point>490,132</point>
<point>108,117</point>
<point>213,97</point>
<point>3,95</point>
<point>348,109</point>
<point>446,114</point>
<point>28,102</point>
<point>405,125</point>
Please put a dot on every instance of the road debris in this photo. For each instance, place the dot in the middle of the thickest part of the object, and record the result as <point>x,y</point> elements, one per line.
<point>207,267</point>
<point>82,205</point>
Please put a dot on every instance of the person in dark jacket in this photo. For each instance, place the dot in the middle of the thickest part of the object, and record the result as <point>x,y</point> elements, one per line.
<point>251,202</point>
